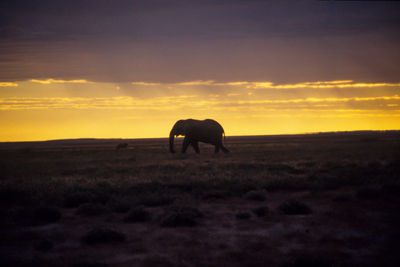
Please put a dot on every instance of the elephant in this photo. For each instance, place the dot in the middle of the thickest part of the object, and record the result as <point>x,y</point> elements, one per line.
<point>206,131</point>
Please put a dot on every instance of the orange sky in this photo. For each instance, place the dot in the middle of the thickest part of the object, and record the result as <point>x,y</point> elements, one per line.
<point>43,109</point>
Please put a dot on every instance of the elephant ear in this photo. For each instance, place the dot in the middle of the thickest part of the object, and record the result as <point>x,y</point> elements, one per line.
<point>187,126</point>
<point>183,129</point>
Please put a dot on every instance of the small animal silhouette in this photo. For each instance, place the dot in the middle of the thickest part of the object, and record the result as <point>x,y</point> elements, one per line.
<point>121,146</point>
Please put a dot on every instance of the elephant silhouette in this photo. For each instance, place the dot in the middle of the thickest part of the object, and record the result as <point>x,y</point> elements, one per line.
<point>206,131</point>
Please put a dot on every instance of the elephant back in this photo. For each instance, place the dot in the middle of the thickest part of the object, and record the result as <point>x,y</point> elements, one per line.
<point>214,125</point>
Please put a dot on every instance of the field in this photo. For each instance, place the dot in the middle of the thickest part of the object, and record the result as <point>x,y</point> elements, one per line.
<point>300,200</point>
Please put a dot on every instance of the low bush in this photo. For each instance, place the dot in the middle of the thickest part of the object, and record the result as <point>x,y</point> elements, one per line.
<point>46,215</point>
<point>180,216</point>
<point>155,200</point>
<point>368,193</point>
<point>44,245</point>
<point>91,209</point>
<point>88,263</point>
<point>261,211</point>
<point>294,207</point>
<point>119,206</point>
<point>342,197</point>
<point>256,195</point>
<point>243,215</point>
<point>309,260</point>
<point>137,215</point>
<point>75,199</point>
<point>391,189</point>
<point>102,235</point>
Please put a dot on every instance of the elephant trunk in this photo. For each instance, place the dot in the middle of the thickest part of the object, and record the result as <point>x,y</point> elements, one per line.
<point>171,141</point>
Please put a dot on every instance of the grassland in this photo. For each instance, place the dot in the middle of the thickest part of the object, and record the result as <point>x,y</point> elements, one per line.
<point>307,200</point>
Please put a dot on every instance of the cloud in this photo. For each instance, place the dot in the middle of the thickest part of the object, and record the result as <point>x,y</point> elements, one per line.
<point>145,83</point>
<point>50,81</point>
<point>271,85</point>
<point>317,100</point>
<point>200,82</point>
<point>188,102</point>
<point>318,85</point>
<point>8,84</point>
<point>84,103</point>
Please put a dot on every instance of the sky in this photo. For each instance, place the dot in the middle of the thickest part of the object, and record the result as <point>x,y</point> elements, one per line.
<point>130,69</point>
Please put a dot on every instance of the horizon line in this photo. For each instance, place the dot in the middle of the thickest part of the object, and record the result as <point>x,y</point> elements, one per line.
<point>150,138</point>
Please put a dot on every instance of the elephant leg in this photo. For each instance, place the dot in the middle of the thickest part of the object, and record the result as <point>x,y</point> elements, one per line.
<point>224,149</point>
<point>185,144</point>
<point>195,145</point>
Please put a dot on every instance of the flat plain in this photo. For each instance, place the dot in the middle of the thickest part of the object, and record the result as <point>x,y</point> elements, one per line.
<point>296,200</point>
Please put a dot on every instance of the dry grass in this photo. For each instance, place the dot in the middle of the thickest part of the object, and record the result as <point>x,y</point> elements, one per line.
<point>351,184</point>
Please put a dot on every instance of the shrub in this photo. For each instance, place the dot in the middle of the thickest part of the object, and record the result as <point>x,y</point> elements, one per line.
<point>10,195</point>
<point>368,193</point>
<point>342,197</point>
<point>47,214</point>
<point>391,189</point>
<point>261,211</point>
<point>243,215</point>
<point>87,263</point>
<point>180,216</point>
<point>294,207</point>
<point>137,215</point>
<point>102,235</point>
<point>157,261</point>
<point>216,194</point>
<point>155,200</point>
<point>91,209</point>
<point>256,195</point>
<point>308,260</point>
<point>44,245</point>
<point>74,200</point>
<point>120,206</point>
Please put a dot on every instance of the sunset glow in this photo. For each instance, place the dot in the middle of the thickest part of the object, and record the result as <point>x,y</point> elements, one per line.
<point>297,109</point>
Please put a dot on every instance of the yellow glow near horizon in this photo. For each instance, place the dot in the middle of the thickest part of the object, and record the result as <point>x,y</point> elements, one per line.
<point>53,109</point>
